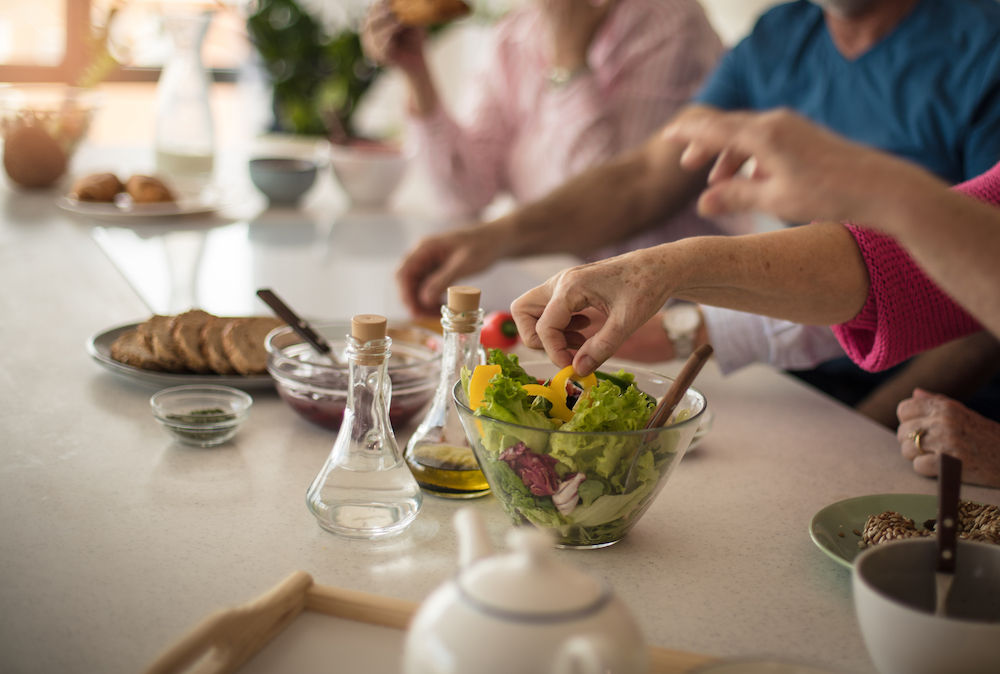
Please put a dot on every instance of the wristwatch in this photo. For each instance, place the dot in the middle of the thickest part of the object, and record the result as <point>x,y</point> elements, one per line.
<point>681,322</point>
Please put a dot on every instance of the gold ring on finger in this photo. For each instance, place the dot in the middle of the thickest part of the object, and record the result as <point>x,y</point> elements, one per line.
<point>916,436</point>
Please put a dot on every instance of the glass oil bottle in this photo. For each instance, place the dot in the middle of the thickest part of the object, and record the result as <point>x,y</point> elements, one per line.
<point>438,452</point>
<point>365,489</point>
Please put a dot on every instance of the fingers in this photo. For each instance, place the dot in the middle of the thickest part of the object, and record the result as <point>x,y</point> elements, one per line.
<point>437,281</point>
<point>412,273</point>
<point>926,465</point>
<point>547,319</point>
<point>732,196</point>
<point>598,348</point>
<point>552,325</point>
<point>381,31</point>
<point>906,434</point>
<point>916,407</point>
<point>727,165</point>
<point>527,309</point>
<point>707,134</point>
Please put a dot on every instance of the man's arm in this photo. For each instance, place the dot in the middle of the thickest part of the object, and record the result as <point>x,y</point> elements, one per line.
<point>956,369</point>
<point>600,206</point>
<point>805,173</point>
<point>606,203</point>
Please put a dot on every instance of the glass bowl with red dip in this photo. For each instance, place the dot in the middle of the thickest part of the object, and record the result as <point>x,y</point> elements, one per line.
<point>316,388</point>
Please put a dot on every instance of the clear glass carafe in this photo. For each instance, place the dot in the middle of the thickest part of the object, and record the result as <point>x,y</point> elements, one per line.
<point>185,133</point>
<point>438,452</point>
<point>365,489</point>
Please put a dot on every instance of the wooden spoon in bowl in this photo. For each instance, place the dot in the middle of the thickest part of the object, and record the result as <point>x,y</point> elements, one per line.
<point>668,403</point>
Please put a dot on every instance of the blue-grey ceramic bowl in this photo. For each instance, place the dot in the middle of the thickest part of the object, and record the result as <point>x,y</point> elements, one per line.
<point>283,180</point>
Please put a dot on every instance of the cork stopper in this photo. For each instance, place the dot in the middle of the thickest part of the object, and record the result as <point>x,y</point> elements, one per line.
<point>366,327</point>
<point>463,298</point>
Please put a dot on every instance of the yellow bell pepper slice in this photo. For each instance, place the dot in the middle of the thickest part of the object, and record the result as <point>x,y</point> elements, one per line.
<point>559,409</point>
<point>558,383</point>
<point>481,377</point>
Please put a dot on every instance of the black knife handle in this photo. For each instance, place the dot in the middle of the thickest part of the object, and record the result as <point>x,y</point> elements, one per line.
<point>949,485</point>
<point>297,324</point>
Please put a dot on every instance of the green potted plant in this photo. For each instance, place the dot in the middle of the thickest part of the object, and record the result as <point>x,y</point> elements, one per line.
<point>318,78</point>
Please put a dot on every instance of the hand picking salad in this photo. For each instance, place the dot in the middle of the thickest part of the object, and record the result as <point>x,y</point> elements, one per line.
<point>572,480</point>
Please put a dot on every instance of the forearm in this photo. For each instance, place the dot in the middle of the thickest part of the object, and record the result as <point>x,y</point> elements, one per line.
<point>955,369</point>
<point>424,100</point>
<point>812,274</point>
<point>956,240</point>
<point>604,204</point>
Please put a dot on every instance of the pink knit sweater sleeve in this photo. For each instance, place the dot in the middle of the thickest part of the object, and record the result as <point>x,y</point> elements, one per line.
<point>906,312</point>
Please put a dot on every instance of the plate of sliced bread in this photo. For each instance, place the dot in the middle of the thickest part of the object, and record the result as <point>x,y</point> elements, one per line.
<point>192,347</point>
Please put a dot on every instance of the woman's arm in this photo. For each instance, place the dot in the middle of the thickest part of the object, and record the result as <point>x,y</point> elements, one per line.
<point>812,274</point>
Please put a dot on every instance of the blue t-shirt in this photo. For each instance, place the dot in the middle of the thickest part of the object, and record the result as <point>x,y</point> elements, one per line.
<point>929,91</point>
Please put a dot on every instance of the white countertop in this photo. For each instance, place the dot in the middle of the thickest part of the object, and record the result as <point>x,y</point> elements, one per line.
<point>116,541</point>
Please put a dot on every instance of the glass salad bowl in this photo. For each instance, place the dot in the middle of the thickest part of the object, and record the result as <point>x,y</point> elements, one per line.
<point>576,483</point>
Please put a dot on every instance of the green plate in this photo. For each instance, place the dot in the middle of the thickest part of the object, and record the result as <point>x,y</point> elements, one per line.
<point>846,516</point>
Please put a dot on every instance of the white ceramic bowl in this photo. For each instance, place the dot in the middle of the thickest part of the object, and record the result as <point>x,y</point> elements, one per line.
<point>894,592</point>
<point>369,173</point>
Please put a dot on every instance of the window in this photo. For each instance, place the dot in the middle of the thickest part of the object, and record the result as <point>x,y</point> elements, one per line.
<point>55,40</point>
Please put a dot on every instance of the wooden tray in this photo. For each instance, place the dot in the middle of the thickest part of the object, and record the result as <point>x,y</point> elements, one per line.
<point>225,640</point>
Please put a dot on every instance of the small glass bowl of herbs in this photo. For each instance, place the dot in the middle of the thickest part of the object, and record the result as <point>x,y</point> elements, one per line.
<point>202,416</point>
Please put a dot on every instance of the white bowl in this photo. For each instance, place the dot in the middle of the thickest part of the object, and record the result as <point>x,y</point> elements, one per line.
<point>894,593</point>
<point>368,173</point>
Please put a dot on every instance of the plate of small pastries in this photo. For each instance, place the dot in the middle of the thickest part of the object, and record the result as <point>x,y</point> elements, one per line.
<point>104,195</point>
<point>188,348</point>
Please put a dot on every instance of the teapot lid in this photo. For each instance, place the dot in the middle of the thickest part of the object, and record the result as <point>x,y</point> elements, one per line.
<point>531,582</point>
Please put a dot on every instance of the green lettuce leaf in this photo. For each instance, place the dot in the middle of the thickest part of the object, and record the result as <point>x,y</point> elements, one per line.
<point>604,409</point>
<point>506,400</point>
<point>610,507</point>
<point>509,366</point>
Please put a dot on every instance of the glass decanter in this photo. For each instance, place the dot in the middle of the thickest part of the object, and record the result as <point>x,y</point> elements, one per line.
<point>438,452</point>
<point>185,133</point>
<point>365,489</point>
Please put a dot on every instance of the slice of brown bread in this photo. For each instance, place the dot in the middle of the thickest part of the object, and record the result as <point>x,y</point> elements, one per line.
<point>211,345</point>
<point>186,330</point>
<point>243,341</point>
<point>132,349</point>
<point>156,330</point>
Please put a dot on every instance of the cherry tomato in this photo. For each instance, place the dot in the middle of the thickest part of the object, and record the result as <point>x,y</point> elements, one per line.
<point>499,331</point>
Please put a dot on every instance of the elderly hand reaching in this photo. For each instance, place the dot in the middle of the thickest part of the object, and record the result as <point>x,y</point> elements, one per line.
<point>930,424</point>
<point>627,290</point>
<point>439,260</point>
<point>800,172</point>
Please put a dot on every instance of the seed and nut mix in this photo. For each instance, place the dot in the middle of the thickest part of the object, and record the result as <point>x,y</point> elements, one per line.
<point>976,523</point>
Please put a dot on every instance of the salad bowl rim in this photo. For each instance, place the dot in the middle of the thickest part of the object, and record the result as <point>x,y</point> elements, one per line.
<point>694,418</point>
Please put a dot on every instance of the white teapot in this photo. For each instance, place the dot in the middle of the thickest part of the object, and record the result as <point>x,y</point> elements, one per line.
<point>523,612</point>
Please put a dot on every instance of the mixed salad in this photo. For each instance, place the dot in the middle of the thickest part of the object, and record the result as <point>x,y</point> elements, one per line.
<point>573,481</point>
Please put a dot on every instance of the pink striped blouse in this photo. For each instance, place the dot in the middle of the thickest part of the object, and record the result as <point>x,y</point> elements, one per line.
<point>906,312</point>
<point>526,136</point>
